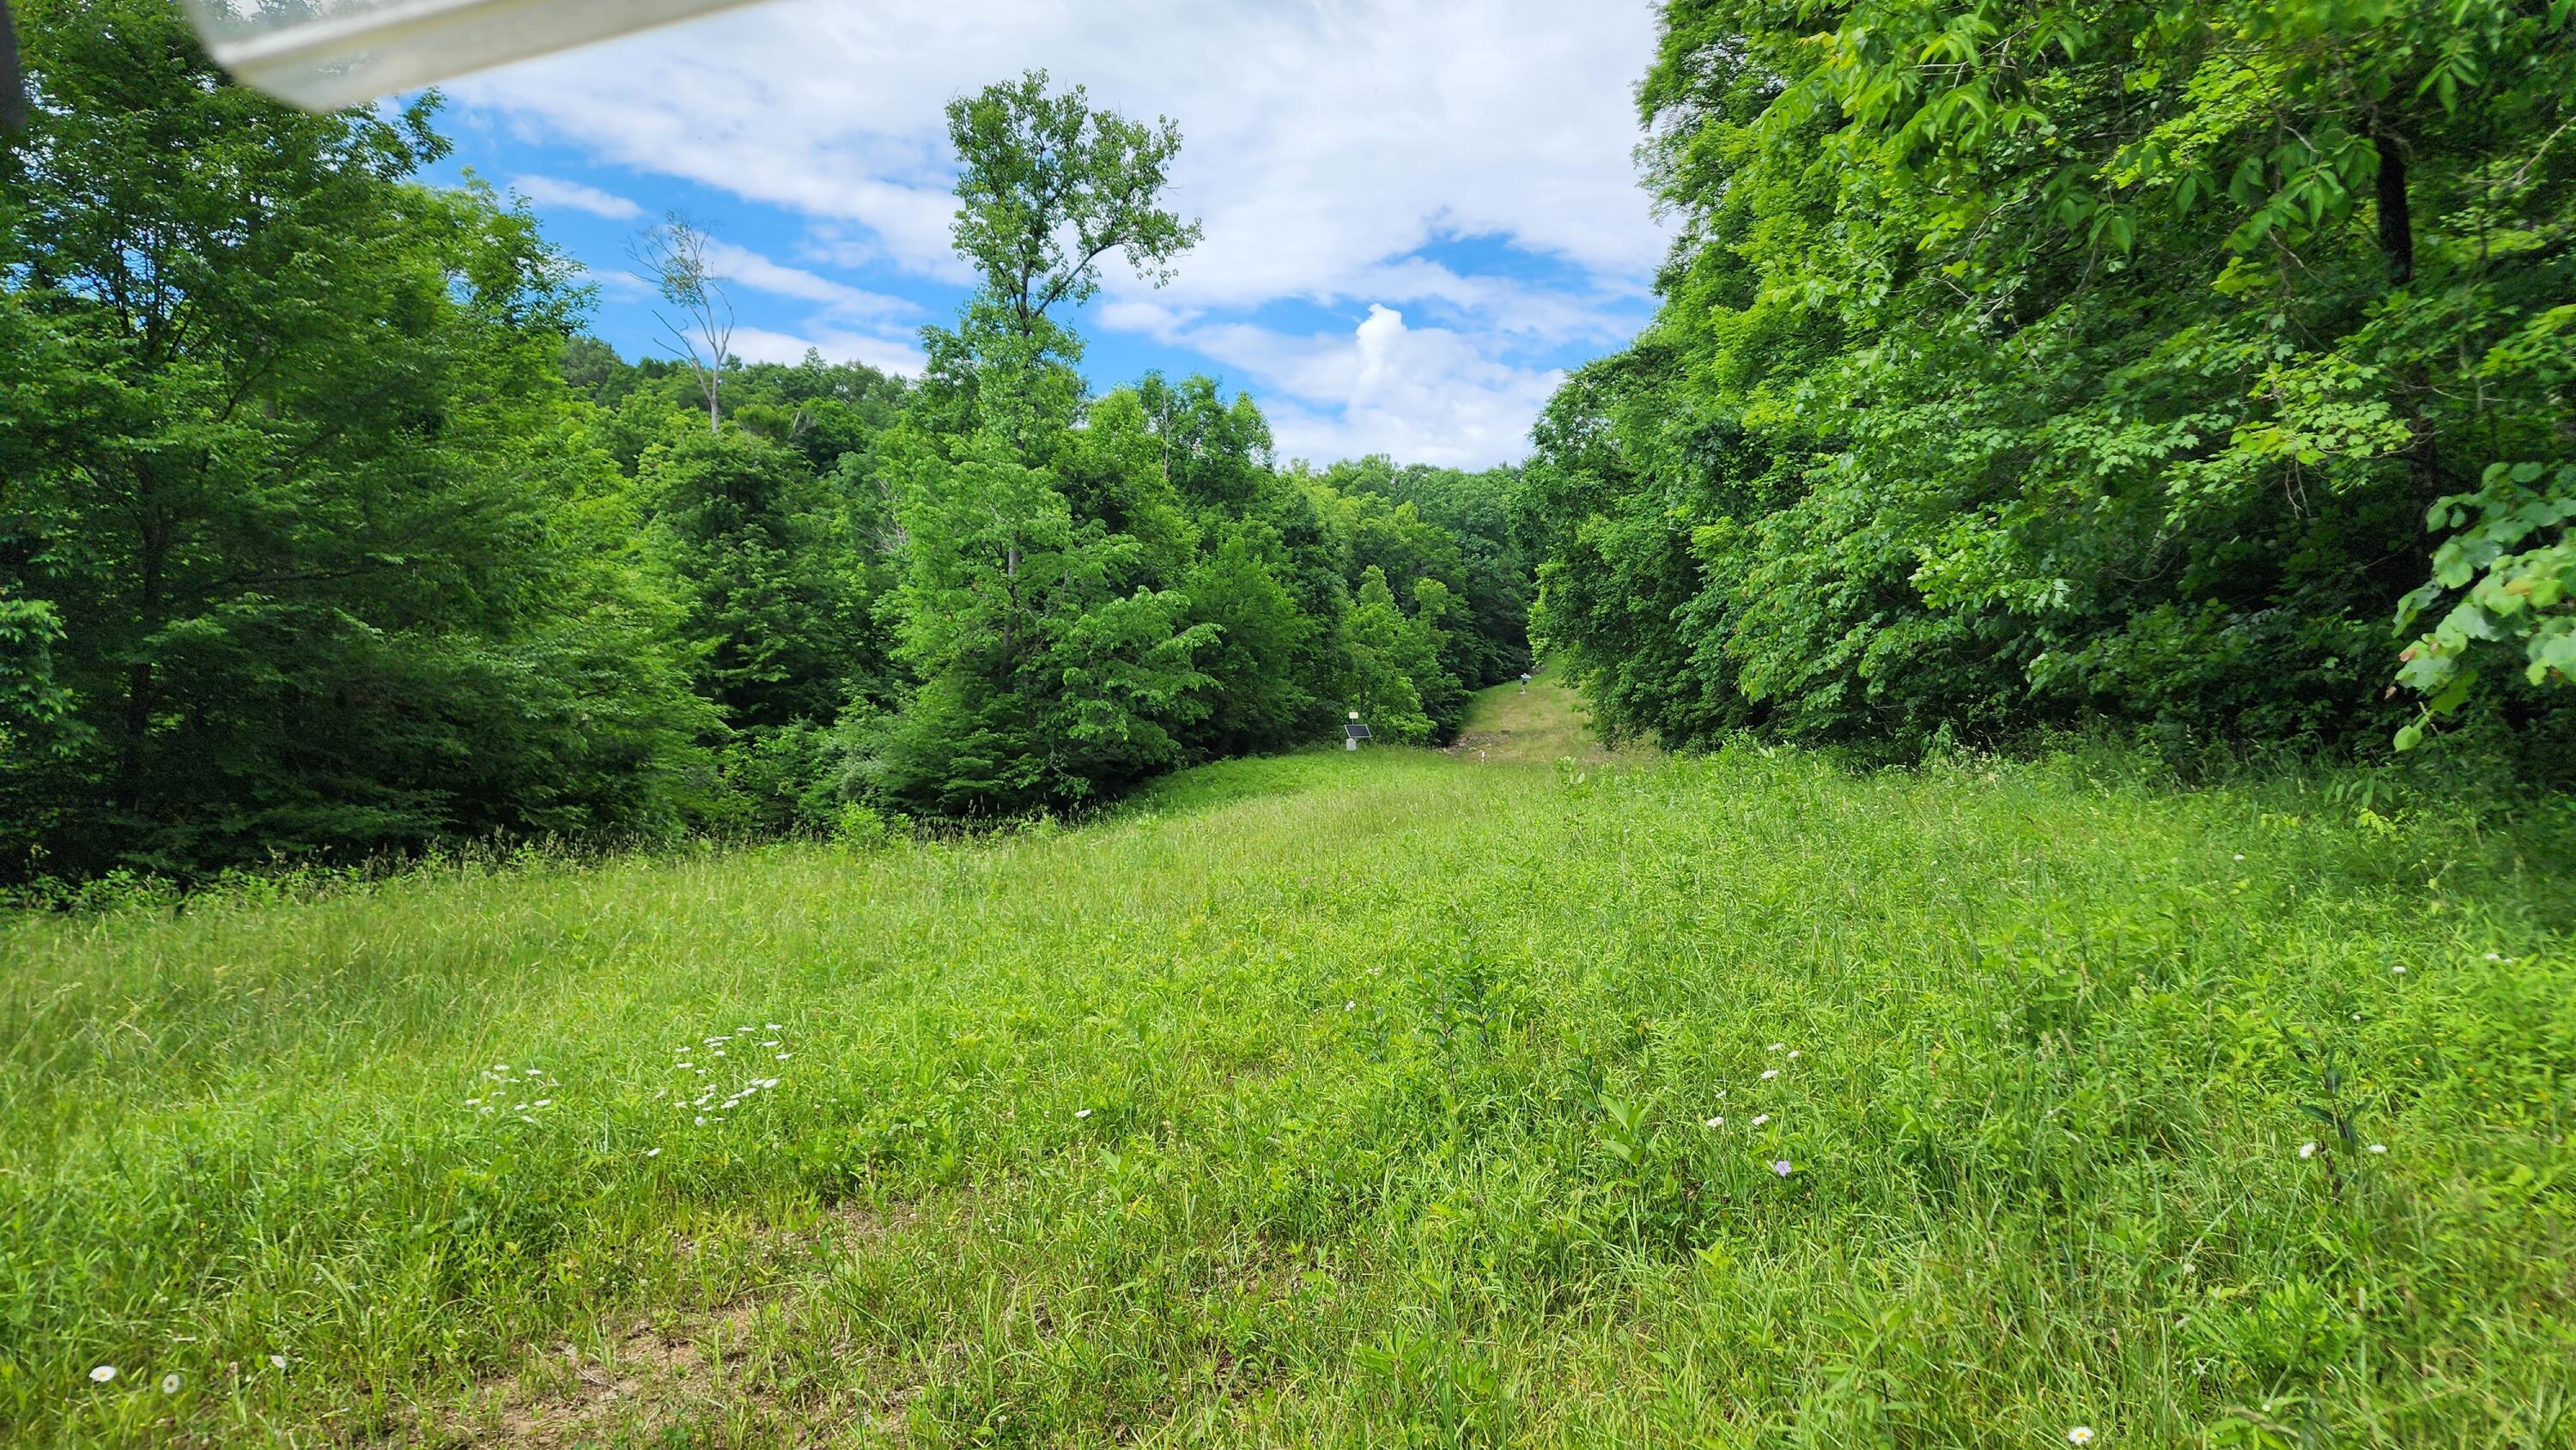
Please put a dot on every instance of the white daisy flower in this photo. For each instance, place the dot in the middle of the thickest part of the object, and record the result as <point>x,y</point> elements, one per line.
<point>1760,1118</point>
<point>2308,1150</point>
<point>1082,1112</point>
<point>2397,971</point>
<point>1770,1074</point>
<point>102,1374</point>
<point>277,1361</point>
<point>1775,1047</point>
<point>2083,1434</point>
<point>2378,1147</point>
<point>1715,1123</point>
<point>169,1384</point>
<point>652,1152</point>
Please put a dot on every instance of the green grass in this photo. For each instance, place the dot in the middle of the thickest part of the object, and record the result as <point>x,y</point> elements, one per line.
<point>1548,723</point>
<point>1353,1100</point>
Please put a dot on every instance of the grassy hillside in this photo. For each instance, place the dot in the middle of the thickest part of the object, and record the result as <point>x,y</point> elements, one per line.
<point>1548,723</point>
<point>1355,1100</point>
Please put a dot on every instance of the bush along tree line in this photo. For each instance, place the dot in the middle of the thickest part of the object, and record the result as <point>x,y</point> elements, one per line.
<point>2202,367</point>
<point>326,533</point>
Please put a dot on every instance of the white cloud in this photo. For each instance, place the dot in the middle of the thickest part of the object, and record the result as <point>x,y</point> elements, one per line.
<point>580,196</point>
<point>1422,394</point>
<point>745,267</point>
<point>760,344</point>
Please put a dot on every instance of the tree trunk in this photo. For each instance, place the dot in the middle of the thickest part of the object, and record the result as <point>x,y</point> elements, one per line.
<point>138,675</point>
<point>2396,212</point>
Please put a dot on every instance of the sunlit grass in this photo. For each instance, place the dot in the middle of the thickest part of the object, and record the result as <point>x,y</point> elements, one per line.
<point>1334,1099</point>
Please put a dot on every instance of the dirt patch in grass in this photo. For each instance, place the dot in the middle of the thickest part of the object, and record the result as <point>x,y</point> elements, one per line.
<point>726,1366</point>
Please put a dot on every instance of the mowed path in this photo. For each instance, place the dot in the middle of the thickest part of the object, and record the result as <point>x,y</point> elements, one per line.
<point>1546,723</point>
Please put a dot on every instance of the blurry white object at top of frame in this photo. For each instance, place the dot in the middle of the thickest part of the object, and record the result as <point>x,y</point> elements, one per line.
<point>323,54</point>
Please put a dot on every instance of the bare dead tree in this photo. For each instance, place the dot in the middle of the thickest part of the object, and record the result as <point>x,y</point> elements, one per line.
<point>673,261</point>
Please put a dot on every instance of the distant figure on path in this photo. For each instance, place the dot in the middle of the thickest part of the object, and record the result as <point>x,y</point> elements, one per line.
<point>1525,679</point>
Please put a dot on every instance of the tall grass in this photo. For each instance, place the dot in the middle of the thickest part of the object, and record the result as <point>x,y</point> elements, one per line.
<point>1350,1100</point>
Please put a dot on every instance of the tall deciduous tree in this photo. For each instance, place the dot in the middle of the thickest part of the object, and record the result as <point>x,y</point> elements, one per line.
<point>327,563</point>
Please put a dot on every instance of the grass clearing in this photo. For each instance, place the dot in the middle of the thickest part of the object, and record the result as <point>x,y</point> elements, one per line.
<point>1548,723</point>
<point>1334,1099</point>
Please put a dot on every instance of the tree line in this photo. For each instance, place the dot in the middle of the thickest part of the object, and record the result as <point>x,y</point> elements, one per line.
<point>327,532</point>
<point>2205,369</point>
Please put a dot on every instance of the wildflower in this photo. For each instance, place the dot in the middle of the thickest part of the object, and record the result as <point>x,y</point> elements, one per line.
<point>2308,1149</point>
<point>2083,1434</point>
<point>782,1057</point>
<point>102,1374</point>
<point>1715,1123</point>
<point>1782,1168</point>
<point>1351,1004</point>
<point>774,1027</point>
<point>1082,1112</point>
<point>473,1102</point>
<point>169,1384</point>
<point>652,1152</point>
<point>2399,971</point>
<point>1793,1053</point>
<point>1770,1074</point>
<point>2378,1147</point>
<point>702,1120</point>
<point>1760,1118</point>
<point>545,1102</point>
<point>2495,956</point>
<point>773,1042</point>
<point>500,1067</point>
<point>1775,1047</point>
<point>521,1108</point>
<point>2240,855</point>
<point>277,1361</point>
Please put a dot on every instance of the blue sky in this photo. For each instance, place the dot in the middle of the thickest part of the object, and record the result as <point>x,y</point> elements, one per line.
<point>1417,214</point>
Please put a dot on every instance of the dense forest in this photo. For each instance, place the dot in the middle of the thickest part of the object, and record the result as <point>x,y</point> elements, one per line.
<point>327,533</point>
<point>2202,369</point>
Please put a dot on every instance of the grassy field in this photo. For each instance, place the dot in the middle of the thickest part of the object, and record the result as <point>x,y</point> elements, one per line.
<point>1545,724</point>
<point>1385,1099</point>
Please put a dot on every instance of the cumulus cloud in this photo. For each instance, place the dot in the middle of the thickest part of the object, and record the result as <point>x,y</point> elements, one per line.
<point>1422,394</point>
<point>760,344</point>
<point>744,267</point>
<point>580,196</point>
<point>1341,153</point>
